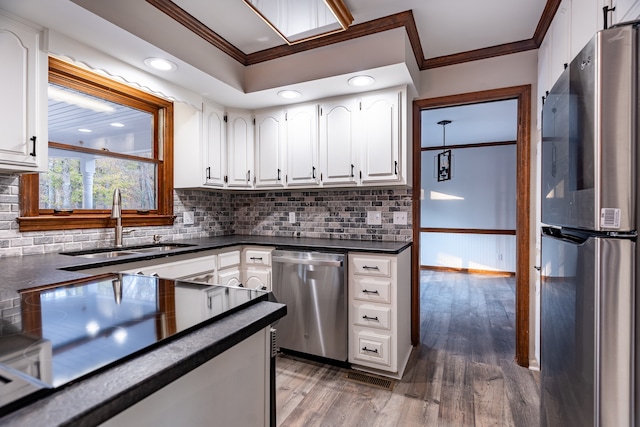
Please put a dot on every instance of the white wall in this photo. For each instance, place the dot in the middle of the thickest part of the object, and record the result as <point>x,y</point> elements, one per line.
<point>494,73</point>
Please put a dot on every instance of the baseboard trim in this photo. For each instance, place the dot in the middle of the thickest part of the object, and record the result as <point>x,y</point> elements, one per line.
<point>468,270</point>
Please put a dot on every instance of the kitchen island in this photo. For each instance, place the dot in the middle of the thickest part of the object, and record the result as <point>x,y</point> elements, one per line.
<point>99,397</point>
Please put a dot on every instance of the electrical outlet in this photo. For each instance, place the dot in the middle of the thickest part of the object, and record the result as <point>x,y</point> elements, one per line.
<point>400,218</point>
<point>374,218</point>
<point>187,217</point>
<point>292,217</point>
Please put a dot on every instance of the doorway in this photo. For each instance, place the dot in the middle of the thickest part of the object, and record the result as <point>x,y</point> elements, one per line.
<point>522,96</point>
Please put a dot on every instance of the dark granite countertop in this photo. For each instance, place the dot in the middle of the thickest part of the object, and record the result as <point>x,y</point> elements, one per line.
<point>99,397</point>
<point>39,270</point>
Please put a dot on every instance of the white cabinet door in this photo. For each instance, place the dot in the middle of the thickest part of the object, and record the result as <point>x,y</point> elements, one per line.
<point>561,41</point>
<point>269,148</point>
<point>302,146</point>
<point>338,133</point>
<point>214,145</point>
<point>380,136</point>
<point>626,10</point>
<point>586,19</point>
<point>258,278</point>
<point>187,146</point>
<point>23,103</point>
<point>543,77</point>
<point>229,276</point>
<point>239,150</point>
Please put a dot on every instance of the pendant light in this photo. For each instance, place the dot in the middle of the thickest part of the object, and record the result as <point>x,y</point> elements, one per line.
<point>444,158</point>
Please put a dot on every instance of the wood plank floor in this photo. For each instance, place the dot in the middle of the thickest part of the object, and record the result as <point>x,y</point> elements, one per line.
<point>462,374</point>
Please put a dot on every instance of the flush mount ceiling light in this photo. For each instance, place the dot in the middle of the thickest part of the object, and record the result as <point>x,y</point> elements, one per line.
<point>289,94</point>
<point>360,81</point>
<point>302,20</point>
<point>160,64</point>
<point>85,130</point>
<point>117,125</point>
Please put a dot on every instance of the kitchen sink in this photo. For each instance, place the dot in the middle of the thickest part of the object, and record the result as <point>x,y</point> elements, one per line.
<point>126,250</point>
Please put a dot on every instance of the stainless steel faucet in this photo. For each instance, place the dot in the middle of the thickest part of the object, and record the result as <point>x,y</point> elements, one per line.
<point>116,213</point>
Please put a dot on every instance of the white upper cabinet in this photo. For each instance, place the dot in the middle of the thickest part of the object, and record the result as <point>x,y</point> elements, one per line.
<point>560,52</point>
<point>357,140</point>
<point>338,133</point>
<point>214,145</point>
<point>543,77</point>
<point>302,146</point>
<point>626,10</point>
<point>239,150</point>
<point>23,106</point>
<point>379,137</point>
<point>269,148</point>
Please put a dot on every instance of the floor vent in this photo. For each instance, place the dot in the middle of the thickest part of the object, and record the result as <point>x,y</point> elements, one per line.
<point>359,377</point>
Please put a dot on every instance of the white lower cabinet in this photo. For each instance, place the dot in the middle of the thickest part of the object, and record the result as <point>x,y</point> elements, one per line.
<point>379,312</point>
<point>232,389</point>
<point>203,268</point>
<point>256,267</point>
<point>229,267</point>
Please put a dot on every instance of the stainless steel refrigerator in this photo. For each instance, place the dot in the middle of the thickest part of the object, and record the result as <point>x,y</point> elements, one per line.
<point>589,329</point>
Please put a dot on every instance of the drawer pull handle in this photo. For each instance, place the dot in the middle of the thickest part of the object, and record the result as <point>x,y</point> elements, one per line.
<point>256,258</point>
<point>365,317</point>
<point>375,267</point>
<point>366,291</point>
<point>375,350</point>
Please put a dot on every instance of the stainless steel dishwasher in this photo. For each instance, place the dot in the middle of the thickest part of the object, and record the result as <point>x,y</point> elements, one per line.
<point>312,285</point>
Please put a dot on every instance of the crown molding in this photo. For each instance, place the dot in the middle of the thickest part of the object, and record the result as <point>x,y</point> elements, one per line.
<point>398,20</point>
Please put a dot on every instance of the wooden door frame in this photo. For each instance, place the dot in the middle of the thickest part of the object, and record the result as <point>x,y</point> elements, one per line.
<point>523,202</point>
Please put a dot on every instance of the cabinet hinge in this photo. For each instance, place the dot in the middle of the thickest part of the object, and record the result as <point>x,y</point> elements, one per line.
<point>225,118</point>
<point>320,110</point>
<point>286,116</point>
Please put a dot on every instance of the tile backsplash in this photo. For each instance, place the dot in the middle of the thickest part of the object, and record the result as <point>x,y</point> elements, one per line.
<point>337,214</point>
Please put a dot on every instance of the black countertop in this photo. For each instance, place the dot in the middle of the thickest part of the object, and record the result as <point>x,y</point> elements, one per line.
<point>39,270</point>
<point>99,397</point>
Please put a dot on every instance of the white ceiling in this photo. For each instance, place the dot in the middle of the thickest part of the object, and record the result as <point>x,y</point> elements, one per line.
<point>445,27</point>
<point>132,30</point>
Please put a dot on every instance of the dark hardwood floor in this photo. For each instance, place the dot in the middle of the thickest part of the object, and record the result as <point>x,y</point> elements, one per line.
<point>462,374</point>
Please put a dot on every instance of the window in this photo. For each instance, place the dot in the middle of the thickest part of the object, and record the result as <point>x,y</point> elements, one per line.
<point>103,135</point>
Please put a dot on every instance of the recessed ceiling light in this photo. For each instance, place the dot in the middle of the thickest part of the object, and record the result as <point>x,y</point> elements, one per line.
<point>361,81</point>
<point>289,94</point>
<point>160,64</point>
<point>85,130</point>
<point>117,125</point>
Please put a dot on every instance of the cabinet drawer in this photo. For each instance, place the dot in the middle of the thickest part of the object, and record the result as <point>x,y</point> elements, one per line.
<point>371,289</point>
<point>257,257</point>
<point>372,266</point>
<point>372,316</point>
<point>227,259</point>
<point>372,348</point>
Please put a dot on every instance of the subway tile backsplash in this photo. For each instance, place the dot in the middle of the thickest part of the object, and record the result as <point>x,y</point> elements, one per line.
<point>336,214</point>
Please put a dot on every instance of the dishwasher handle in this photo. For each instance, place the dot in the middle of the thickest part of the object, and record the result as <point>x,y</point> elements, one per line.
<point>318,262</point>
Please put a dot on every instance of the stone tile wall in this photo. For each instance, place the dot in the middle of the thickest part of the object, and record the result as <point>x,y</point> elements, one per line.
<point>324,213</point>
<point>332,214</point>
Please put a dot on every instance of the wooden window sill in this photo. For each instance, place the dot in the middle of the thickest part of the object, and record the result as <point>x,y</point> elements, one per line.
<point>70,222</point>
